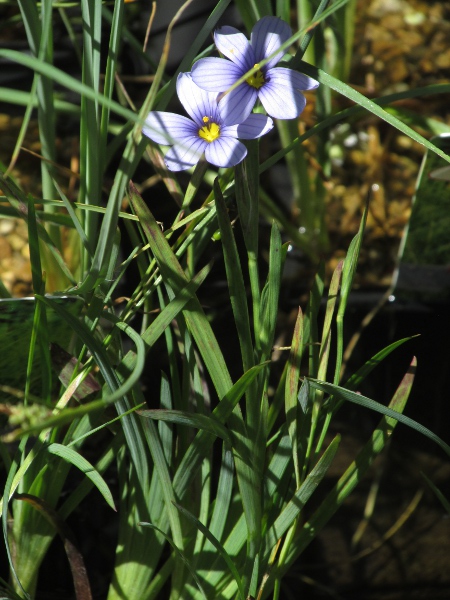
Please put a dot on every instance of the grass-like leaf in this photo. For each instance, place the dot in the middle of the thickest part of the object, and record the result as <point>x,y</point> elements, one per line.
<point>352,112</point>
<point>300,498</point>
<point>116,391</point>
<point>14,476</point>
<point>161,466</point>
<point>77,566</point>
<point>356,398</point>
<point>203,440</point>
<point>219,516</point>
<point>190,419</point>
<point>218,546</point>
<point>437,492</point>
<point>352,475</point>
<point>180,554</point>
<point>271,292</point>
<point>235,279</point>
<point>369,105</point>
<point>292,377</point>
<point>66,81</point>
<point>357,378</point>
<point>74,458</point>
<point>176,279</point>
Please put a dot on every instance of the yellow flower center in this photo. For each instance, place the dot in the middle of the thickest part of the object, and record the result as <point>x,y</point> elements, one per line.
<point>210,132</point>
<point>257,79</point>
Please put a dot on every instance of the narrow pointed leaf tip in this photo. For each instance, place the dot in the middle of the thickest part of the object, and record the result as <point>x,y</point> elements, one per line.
<point>205,132</point>
<point>279,89</point>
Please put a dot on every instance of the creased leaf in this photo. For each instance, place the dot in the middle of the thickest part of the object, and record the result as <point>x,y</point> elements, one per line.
<point>196,420</point>
<point>356,398</point>
<point>78,461</point>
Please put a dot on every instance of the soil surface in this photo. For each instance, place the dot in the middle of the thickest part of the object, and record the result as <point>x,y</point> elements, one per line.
<point>399,551</point>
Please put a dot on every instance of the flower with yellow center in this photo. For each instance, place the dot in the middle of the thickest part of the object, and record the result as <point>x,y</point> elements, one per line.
<point>279,89</point>
<point>204,132</point>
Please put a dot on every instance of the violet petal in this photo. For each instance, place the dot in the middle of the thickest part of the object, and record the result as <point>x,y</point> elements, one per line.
<point>236,106</point>
<point>197,102</point>
<point>166,128</point>
<point>184,154</point>
<point>235,46</point>
<point>267,36</point>
<point>299,81</point>
<point>253,127</point>
<point>225,152</point>
<point>215,74</point>
<point>282,101</point>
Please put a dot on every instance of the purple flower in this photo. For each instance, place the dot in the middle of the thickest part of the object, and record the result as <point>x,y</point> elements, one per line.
<point>277,88</point>
<point>205,132</point>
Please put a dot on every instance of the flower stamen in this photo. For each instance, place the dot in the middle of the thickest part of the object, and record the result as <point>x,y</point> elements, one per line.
<point>257,79</point>
<point>210,132</point>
